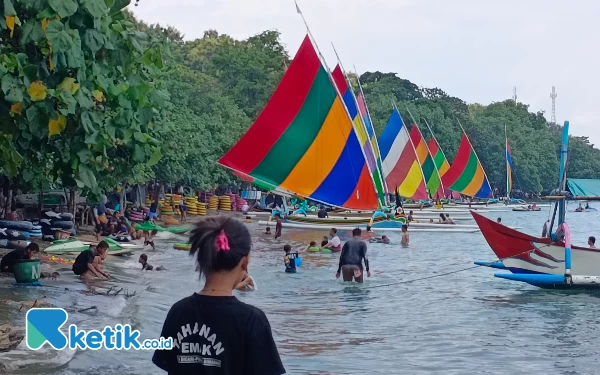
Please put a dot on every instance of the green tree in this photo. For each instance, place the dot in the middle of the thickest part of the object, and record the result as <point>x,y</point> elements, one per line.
<point>78,101</point>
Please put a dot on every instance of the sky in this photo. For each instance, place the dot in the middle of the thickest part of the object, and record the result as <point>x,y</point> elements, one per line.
<point>472,49</point>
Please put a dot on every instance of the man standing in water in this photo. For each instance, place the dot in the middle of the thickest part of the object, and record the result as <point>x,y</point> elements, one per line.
<point>351,259</point>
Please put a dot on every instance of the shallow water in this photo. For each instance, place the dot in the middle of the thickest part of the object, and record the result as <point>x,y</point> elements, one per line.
<point>463,323</point>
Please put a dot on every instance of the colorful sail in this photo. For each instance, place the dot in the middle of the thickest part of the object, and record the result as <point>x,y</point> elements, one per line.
<point>466,174</point>
<point>438,157</point>
<point>359,127</point>
<point>364,112</point>
<point>401,167</point>
<point>303,141</point>
<point>432,178</point>
<point>509,167</point>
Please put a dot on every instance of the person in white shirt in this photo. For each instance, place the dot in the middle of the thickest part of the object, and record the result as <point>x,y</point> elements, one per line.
<point>334,244</point>
<point>245,208</point>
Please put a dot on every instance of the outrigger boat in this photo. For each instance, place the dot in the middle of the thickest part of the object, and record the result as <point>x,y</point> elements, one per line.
<point>549,261</point>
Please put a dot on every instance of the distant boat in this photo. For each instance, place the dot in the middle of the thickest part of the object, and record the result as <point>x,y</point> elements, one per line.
<point>548,261</point>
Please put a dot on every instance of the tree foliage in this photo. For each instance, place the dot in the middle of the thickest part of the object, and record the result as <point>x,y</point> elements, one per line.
<point>78,104</point>
<point>535,142</point>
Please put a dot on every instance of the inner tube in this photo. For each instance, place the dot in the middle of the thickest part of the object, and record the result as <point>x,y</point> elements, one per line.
<point>18,225</point>
<point>183,246</point>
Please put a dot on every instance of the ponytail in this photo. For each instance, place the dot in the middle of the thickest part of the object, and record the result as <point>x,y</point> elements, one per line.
<point>219,244</point>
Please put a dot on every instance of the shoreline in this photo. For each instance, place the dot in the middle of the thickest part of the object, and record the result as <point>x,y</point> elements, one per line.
<point>16,300</point>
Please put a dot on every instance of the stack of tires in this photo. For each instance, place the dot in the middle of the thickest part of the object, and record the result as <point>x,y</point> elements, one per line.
<point>239,203</point>
<point>167,208</point>
<point>52,221</point>
<point>12,232</point>
<point>225,203</point>
<point>136,216</point>
<point>213,203</point>
<point>205,197</point>
<point>201,208</point>
<point>148,201</point>
<point>192,205</point>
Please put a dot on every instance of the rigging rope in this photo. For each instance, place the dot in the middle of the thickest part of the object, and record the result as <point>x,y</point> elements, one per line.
<point>451,272</point>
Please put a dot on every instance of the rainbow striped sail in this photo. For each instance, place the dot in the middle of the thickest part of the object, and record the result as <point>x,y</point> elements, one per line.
<point>509,167</point>
<point>359,127</point>
<point>466,174</point>
<point>401,167</point>
<point>364,112</point>
<point>303,141</point>
<point>438,157</point>
<point>430,172</point>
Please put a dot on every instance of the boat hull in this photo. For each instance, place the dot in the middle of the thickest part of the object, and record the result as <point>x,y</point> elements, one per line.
<point>521,253</point>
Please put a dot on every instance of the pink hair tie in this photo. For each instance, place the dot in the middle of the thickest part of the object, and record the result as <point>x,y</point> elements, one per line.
<point>222,241</point>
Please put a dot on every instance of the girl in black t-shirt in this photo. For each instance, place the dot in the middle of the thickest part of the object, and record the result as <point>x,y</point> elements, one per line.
<point>213,332</point>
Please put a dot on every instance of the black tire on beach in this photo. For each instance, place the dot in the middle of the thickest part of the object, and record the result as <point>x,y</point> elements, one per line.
<point>65,216</point>
<point>62,224</point>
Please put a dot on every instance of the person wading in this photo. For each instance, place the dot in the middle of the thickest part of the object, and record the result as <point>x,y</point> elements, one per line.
<point>351,259</point>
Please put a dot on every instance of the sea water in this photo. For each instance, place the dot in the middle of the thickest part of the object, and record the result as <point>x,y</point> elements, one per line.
<point>462,323</point>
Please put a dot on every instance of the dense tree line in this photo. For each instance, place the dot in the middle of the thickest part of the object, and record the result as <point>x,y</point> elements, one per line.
<point>92,99</point>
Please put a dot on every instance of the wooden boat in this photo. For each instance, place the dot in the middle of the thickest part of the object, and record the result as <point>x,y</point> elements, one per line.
<point>432,228</point>
<point>548,261</point>
<point>526,209</point>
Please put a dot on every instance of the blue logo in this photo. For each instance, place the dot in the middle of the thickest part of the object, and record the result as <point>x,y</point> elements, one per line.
<point>44,324</point>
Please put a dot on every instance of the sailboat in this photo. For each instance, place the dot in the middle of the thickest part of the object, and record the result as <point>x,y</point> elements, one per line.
<point>441,163</point>
<point>303,142</point>
<point>549,261</point>
<point>430,171</point>
<point>466,174</point>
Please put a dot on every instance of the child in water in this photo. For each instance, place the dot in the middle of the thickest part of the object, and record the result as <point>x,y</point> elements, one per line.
<point>147,266</point>
<point>289,259</point>
<point>405,235</point>
<point>212,325</point>
<point>383,239</point>
<point>313,248</point>
<point>268,231</point>
<point>90,262</point>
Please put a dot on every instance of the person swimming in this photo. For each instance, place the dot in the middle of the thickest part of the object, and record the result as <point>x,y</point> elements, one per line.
<point>383,239</point>
<point>312,247</point>
<point>268,231</point>
<point>143,260</point>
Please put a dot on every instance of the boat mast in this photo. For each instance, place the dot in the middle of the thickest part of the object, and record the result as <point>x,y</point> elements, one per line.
<point>382,201</point>
<point>378,156</point>
<point>412,144</point>
<point>508,170</point>
<point>562,181</point>
<point>429,153</point>
<point>337,90</point>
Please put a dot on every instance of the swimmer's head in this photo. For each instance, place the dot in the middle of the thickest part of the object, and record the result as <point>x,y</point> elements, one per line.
<point>154,231</point>
<point>268,230</point>
<point>356,232</point>
<point>333,232</point>
<point>143,259</point>
<point>313,244</point>
<point>287,248</point>
<point>404,228</point>
<point>385,238</point>
<point>221,245</point>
